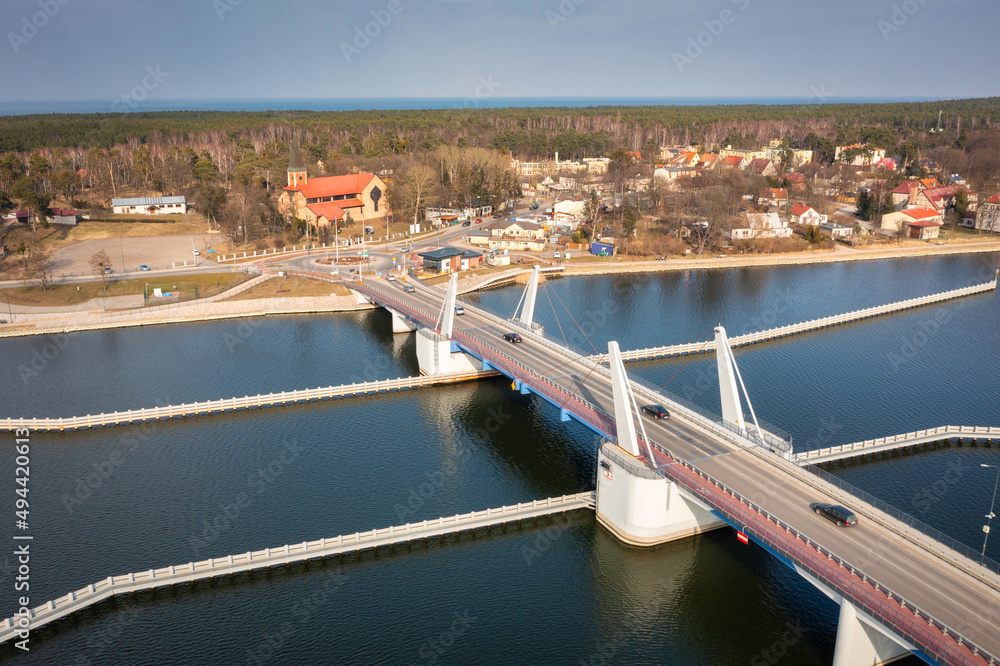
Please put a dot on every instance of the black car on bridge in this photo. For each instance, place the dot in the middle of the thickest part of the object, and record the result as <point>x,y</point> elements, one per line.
<point>838,514</point>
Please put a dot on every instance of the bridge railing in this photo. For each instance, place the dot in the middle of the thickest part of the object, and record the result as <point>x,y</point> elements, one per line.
<point>941,432</point>
<point>908,520</point>
<point>885,606</point>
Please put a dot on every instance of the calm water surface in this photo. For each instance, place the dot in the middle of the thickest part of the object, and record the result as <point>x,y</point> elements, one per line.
<point>558,590</point>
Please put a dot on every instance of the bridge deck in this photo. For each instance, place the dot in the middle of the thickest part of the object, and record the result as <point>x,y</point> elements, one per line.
<point>235,404</point>
<point>288,554</point>
<point>869,446</point>
<point>812,325</point>
<point>954,595</point>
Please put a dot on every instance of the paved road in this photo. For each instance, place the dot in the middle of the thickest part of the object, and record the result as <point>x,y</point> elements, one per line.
<point>953,597</point>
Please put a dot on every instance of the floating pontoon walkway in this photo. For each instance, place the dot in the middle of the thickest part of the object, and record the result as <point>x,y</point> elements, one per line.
<point>970,433</point>
<point>237,404</point>
<point>794,329</point>
<point>289,554</point>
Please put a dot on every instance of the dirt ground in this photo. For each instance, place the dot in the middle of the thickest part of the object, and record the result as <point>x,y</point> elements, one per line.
<point>156,252</point>
<point>288,287</point>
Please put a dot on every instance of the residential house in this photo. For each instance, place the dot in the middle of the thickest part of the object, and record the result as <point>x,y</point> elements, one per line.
<point>708,161</point>
<point>987,217</point>
<point>834,230</point>
<point>150,205</point>
<point>762,167</point>
<point>922,217</point>
<point>684,159</point>
<point>65,216</point>
<point>803,214</point>
<point>887,163</point>
<point>734,162</point>
<point>449,260</point>
<point>796,157</point>
<point>863,154</point>
<point>774,196</point>
<point>760,225</point>
<point>796,181</point>
<point>512,235</point>
<point>597,165</point>
<point>929,164</point>
<point>673,173</point>
<point>570,208</point>
<point>748,155</point>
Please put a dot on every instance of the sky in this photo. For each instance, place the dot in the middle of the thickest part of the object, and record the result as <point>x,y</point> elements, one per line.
<point>139,50</point>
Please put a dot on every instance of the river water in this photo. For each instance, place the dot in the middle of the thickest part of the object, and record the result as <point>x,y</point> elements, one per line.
<point>558,590</point>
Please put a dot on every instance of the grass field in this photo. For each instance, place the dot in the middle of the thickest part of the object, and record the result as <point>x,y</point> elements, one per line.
<point>186,287</point>
<point>288,287</point>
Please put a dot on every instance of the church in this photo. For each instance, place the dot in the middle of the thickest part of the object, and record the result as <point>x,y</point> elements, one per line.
<point>323,201</point>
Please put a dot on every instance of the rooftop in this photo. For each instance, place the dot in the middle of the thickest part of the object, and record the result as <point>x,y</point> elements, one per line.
<point>147,201</point>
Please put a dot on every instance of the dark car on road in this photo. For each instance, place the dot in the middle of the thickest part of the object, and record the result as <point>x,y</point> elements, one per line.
<point>408,288</point>
<point>838,514</point>
<point>656,411</point>
<point>466,224</point>
<point>512,337</point>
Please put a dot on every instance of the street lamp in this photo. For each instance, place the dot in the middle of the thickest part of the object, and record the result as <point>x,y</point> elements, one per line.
<point>144,296</point>
<point>989,516</point>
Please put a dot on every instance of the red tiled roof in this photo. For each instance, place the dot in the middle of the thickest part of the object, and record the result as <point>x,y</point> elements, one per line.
<point>759,164</point>
<point>795,177</point>
<point>334,210</point>
<point>779,193</point>
<point>921,213</point>
<point>906,187</point>
<point>799,209</point>
<point>930,183</point>
<point>331,186</point>
<point>732,160</point>
<point>994,199</point>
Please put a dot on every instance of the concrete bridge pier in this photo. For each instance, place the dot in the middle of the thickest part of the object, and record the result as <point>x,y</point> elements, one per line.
<point>400,323</point>
<point>642,508</point>
<point>437,353</point>
<point>636,504</point>
<point>859,643</point>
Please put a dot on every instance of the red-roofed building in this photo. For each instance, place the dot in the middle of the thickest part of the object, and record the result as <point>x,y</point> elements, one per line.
<point>923,223</point>
<point>708,161</point>
<point>987,217</point>
<point>684,159</point>
<point>322,201</point>
<point>803,214</point>
<point>774,196</point>
<point>762,167</point>
<point>735,162</point>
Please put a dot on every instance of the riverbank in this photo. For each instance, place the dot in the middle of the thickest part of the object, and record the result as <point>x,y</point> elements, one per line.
<point>844,254</point>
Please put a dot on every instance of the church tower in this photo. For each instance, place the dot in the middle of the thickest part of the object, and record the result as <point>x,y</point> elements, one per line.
<point>296,167</point>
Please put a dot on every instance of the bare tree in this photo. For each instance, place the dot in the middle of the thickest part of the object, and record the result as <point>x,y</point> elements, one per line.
<point>98,262</point>
<point>414,191</point>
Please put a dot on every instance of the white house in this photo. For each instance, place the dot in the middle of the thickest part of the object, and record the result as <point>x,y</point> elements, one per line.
<point>571,208</point>
<point>150,205</point>
<point>835,230</point>
<point>803,214</point>
<point>760,225</point>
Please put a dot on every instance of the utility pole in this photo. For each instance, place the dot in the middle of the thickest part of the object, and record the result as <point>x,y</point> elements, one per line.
<point>10,313</point>
<point>121,244</point>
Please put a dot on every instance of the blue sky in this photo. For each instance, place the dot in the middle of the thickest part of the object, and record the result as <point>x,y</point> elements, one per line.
<point>101,49</point>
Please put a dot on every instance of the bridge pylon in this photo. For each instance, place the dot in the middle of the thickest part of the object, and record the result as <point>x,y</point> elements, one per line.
<point>637,504</point>
<point>527,315</point>
<point>437,353</point>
